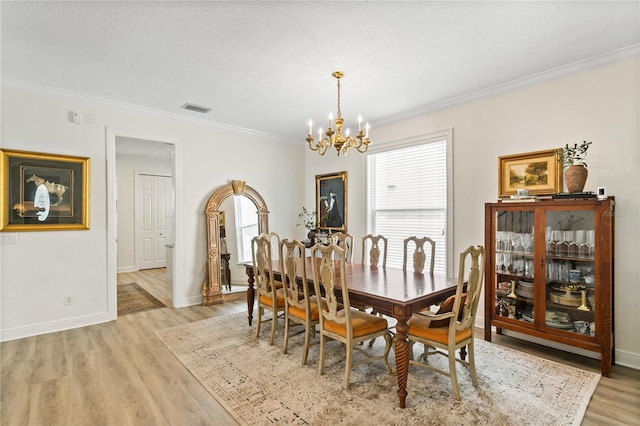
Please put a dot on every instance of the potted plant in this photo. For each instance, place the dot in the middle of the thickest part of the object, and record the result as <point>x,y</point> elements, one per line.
<point>575,173</point>
<point>307,219</point>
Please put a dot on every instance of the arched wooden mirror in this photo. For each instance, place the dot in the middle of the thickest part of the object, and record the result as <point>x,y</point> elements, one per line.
<point>212,285</point>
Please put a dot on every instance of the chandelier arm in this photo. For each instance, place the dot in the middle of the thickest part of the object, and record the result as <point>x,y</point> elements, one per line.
<point>366,146</point>
<point>321,147</point>
<point>324,146</point>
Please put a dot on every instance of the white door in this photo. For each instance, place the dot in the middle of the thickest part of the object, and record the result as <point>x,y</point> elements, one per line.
<point>153,220</point>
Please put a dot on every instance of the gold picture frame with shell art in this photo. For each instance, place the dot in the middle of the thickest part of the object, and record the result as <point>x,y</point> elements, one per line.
<point>43,192</point>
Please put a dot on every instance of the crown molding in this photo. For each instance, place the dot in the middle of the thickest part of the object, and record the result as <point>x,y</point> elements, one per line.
<point>609,58</point>
<point>67,94</point>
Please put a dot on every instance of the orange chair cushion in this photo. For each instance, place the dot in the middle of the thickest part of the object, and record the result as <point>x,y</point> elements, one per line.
<point>445,307</point>
<point>299,313</point>
<point>362,322</point>
<point>266,300</point>
<point>419,326</point>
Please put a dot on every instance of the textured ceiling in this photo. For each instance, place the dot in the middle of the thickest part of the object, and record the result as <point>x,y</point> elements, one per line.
<point>266,66</point>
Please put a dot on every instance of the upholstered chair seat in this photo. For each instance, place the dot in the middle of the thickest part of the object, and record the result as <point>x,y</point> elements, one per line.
<point>362,323</point>
<point>300,313</point>
<point>419,326</point>
<point>268,300</point>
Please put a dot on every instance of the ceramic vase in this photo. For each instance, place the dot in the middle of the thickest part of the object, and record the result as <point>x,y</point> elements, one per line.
<point>575,176</point>
<point>312,236</point>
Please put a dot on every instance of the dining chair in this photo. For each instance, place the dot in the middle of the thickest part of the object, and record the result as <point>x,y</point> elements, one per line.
<point>344,240</point>
<point>374,243</point>
<point>300,306</point>
<point>270,295</point>
<point>419,256</point>
<point>342,323</point>
<point>452,327</point>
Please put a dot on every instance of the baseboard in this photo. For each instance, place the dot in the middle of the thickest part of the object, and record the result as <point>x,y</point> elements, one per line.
<point>627,359</point>
<point>127,269</point>
<point>54,326</point>
<point>187,301</point>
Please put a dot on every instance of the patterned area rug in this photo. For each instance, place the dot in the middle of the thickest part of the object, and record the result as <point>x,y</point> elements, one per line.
<point>260,385</point>
<point>133,298</point>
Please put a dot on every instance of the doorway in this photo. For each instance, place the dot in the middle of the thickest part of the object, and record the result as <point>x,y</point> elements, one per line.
<point>131,154</point>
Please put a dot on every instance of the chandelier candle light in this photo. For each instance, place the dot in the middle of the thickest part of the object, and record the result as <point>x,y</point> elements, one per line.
<point>335,139</point>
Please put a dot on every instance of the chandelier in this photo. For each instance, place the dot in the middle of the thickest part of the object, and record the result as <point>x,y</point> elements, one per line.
<point>335,138</point>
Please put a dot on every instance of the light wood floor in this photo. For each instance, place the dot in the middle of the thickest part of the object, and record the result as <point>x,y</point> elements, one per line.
<point>119,373</point>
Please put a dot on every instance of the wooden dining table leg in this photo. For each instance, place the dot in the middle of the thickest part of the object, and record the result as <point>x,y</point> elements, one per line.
<point>251,294</point>
<point>402,356</point>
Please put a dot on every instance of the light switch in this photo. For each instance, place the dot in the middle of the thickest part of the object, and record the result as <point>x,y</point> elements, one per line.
<point>8,238</point>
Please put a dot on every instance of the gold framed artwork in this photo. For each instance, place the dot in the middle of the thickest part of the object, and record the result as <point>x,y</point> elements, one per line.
<point>331,201</point>
<point>538,172</point>
<point>43,192</point>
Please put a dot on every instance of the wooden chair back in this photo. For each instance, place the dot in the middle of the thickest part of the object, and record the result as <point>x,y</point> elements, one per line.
<point>344,240</point>
<point>419,256</point>
<point>292,265</point>
<point>374,249</point>
<point>471,261</point>
<point>327,283</point>
<point>262,251</point>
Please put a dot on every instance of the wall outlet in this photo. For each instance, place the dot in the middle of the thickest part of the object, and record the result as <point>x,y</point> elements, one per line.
<point>68,299</point>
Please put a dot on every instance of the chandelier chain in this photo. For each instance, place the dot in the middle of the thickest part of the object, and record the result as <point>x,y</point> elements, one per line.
<point>339,113</point>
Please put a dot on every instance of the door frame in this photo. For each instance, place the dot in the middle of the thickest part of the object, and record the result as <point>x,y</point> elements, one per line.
<point>112,215</point>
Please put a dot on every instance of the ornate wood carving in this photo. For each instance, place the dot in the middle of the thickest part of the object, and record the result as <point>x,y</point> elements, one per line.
<point>212,286</point>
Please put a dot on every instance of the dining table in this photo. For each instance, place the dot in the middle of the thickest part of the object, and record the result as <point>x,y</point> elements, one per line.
<point>390,291</point>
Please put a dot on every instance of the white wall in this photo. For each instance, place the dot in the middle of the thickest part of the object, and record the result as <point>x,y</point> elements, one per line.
<point>75,262</point>
<point>600,105</point>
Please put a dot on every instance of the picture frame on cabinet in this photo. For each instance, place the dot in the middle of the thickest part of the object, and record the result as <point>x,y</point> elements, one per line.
<point>331,201</point>
<point>539,172</point>
<point>43,192</point>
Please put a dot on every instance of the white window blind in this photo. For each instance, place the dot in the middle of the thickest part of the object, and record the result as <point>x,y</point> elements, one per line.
<point>406,196</point>
<point>246,216</point>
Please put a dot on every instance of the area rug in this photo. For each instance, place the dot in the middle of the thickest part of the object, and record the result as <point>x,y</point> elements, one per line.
<point>133,298</point>
<point>259,385</point>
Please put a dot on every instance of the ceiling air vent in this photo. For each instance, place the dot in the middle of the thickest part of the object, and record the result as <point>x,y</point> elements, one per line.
<point>196,108</point>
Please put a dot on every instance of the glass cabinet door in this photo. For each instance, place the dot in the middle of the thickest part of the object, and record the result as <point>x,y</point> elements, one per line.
<point>514,247</point>
<point>569,282</point>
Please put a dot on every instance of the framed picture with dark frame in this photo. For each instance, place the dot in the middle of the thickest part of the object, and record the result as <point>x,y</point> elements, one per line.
<point>539,172</point>
<point>331,201</point>
<point>43,192</point>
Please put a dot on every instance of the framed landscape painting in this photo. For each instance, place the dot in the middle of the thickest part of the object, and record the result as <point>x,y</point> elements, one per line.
<point>331,201</point>
<point>539,172</point>
<point>43,192</point>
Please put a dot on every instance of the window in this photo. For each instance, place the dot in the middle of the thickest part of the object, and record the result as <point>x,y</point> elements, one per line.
<point>408,194</point>
<point>246,216</point>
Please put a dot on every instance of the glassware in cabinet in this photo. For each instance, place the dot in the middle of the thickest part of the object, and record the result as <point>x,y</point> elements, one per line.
<point>569,276</point>
<point>514,266</point>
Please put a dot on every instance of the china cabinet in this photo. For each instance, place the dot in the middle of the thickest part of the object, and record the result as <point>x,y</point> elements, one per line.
<point>549,272</point>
